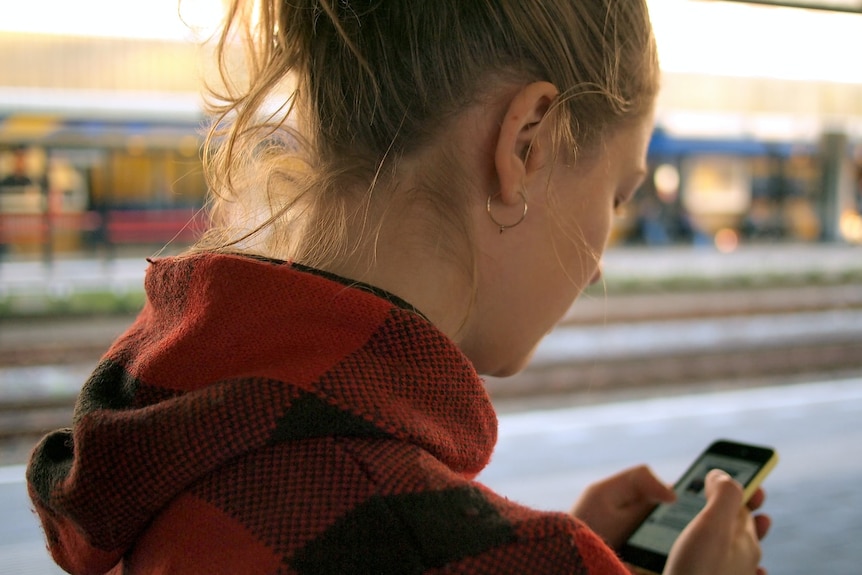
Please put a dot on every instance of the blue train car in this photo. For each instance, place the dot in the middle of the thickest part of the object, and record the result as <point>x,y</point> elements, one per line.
<point>725,191</point>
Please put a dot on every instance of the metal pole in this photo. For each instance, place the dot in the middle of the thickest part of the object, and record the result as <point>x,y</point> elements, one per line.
<point>837,183</point>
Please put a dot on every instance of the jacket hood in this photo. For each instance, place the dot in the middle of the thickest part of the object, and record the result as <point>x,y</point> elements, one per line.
<point>229,354</point>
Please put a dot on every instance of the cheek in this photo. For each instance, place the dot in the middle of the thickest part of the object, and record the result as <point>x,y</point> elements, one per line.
<point>582,214</point>
<point>589,226</point>
<point>601,221</point>
<point>584,244</point>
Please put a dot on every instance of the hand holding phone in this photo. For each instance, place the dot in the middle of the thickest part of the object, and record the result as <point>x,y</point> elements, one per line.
<point>648,547</point>
<point>723,539</point>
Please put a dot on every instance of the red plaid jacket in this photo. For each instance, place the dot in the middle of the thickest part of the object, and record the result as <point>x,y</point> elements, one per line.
<point>260,417</point>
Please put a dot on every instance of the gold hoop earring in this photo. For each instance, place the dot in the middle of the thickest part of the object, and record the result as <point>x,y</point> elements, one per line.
<point>506,226</point>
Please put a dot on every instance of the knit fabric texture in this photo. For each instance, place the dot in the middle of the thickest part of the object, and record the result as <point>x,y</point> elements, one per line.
<point>259,417</point>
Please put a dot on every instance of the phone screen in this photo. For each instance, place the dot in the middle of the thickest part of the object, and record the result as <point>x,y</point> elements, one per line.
<point>650,544</point>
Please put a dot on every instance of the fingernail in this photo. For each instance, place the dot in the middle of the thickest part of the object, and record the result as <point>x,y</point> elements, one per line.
<point>719,474</point>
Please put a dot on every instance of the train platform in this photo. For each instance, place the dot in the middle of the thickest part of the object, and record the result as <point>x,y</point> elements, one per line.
<point>622,267</point>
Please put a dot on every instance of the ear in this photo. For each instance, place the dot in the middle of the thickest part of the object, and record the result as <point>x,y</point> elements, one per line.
<point>521,122</point>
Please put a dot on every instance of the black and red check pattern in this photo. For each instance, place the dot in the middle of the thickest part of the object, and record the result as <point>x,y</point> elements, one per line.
<point>260,417</point>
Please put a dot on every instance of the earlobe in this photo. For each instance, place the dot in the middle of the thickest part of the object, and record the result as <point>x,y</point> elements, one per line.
<point>517,138</point>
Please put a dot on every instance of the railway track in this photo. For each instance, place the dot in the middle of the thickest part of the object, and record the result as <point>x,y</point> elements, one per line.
<point>644,375</point>
<point>814,327</point>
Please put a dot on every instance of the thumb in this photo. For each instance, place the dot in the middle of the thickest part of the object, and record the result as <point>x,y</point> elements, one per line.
<point>660,492</point>
<point>723,495</point>
<point>649,487</point>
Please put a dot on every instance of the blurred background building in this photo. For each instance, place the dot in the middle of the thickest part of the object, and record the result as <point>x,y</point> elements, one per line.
<point>758,132</point>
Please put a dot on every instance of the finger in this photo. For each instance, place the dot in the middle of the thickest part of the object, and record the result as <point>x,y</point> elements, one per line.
<point>723,496</point>
<point>762,523</point>
<point>757,499</point>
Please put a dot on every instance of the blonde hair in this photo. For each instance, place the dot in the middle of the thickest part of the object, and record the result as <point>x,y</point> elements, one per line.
<point>370,82</point>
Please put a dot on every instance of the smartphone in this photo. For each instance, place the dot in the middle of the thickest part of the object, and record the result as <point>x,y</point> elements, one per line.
<point>648,546</point>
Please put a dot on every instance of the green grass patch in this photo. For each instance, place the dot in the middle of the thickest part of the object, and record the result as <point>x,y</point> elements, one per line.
<point>679,284</point>
<point>86,303</point>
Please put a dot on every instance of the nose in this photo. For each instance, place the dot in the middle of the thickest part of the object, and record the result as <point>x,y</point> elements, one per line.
<point>596,276</point>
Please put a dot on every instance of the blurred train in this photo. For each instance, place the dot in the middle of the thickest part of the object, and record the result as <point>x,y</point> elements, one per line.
<point>72,184</point>
<point>69,184</point>
<point>726,191</point>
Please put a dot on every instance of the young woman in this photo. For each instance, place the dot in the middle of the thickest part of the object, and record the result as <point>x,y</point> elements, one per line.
<point>301,393</point>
